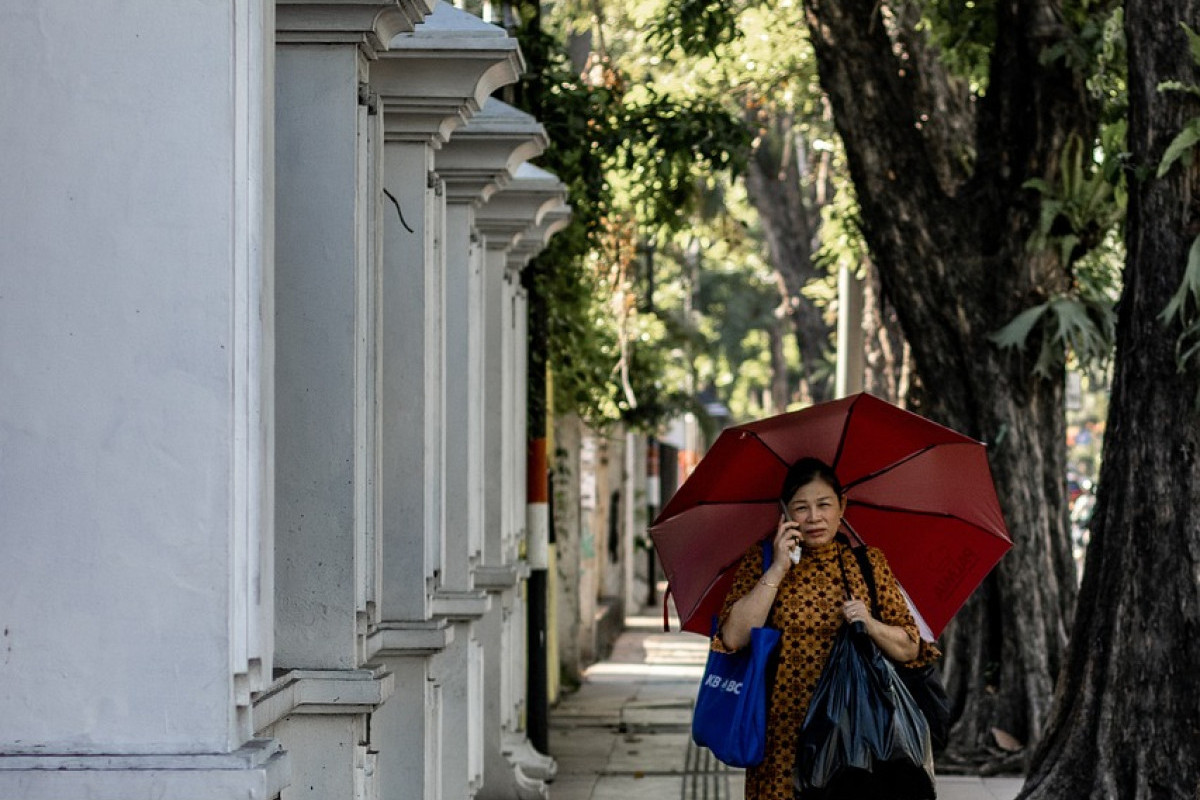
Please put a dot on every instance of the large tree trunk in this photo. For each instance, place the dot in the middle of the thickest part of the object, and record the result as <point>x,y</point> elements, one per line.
<point>948,239</point>
<point>790,220</point>
<point>1126,720</point>
<point>887,356</point>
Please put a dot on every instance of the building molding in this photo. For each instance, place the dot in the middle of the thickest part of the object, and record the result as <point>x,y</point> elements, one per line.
<point>461,606</point>
<point>417,638</point>
<point>372,25</point>
<point>483,156</point>
<point>300,691</point>
<point>259,769</point>
<point>433,79</point>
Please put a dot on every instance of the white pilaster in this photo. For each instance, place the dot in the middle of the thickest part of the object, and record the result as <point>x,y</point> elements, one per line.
<point>516,209</point>
<point>329,300</point>
<point>135,401</point>
<point>430,82</point>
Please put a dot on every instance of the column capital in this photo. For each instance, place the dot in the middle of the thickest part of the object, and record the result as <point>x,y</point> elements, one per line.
<point>436,77</point>
<point>520,206</point>
<point>484,154</point>
<point>370,24</point>
<point>535,239</point>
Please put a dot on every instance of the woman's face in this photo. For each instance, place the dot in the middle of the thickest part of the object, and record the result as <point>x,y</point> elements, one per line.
<point>817,509</point>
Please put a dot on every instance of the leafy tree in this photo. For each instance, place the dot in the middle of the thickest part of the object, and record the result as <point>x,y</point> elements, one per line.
<point>766,73</point>
<point>1126,719</point>
<point>960,125</point>
<point>631,158</point>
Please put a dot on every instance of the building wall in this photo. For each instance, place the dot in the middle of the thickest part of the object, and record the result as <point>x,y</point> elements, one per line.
<point>232,561</point>
<point>135,375</point>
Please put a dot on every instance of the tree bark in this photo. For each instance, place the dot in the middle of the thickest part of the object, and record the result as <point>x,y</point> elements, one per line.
<point>948,237</point>
<point>888,359</point>
<point>774,186</point>
<point>1126,721</point>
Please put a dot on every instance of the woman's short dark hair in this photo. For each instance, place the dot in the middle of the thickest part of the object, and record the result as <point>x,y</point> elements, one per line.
<point>804,472</point>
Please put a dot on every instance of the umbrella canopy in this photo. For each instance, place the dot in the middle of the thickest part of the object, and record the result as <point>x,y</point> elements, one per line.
<point>919,491</point>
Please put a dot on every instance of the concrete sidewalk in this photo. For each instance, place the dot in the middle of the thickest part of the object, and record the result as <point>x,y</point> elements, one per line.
<point>625,734</point>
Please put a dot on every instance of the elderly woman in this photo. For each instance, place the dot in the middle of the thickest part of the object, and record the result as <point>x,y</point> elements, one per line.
<point>805,600</point>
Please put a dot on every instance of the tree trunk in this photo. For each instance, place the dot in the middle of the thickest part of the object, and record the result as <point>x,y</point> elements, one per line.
<point>888,359</point>
<point>774,187</point>
<point>780,386</point>
<point>1126,721</point>
<point>948,238</point>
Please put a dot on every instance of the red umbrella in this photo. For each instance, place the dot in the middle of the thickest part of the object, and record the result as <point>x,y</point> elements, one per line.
<point>920,492</point>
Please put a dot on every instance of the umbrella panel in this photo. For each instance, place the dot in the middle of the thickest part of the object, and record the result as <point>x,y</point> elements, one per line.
<point>949,480</point>
<point>939,560</point>
<point>685,559</point>
<point>737,467</point>
<point>879,435</point>
<point>815,431</point>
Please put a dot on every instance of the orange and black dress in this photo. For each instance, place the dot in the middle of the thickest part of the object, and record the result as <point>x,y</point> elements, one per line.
<point>808,612</point>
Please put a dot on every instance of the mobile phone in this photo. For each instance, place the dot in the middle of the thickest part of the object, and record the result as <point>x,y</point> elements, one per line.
<point>795,553</point>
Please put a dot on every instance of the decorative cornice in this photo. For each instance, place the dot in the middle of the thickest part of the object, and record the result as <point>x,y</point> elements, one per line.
<point>499,579</point>
<point>534,241</point>
<point>520,206</point>
<point>304,691</point>
<point>484,154</point>
<point>409,638</point>
<point>435,78</point>
<point>454,605</point>
<point>373,25</point>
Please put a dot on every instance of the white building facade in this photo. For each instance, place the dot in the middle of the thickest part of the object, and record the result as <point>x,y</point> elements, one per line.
<point>262,402</point>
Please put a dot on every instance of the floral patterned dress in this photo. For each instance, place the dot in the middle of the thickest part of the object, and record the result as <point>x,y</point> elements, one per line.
<point>808,612</point>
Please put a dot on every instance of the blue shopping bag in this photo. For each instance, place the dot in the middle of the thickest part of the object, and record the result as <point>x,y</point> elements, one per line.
<point>730,717</point>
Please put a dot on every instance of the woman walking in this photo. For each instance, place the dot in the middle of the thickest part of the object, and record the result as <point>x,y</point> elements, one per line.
<point>805,598</point>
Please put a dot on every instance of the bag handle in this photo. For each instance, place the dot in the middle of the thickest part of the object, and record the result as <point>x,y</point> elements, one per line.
<point>867,571</point>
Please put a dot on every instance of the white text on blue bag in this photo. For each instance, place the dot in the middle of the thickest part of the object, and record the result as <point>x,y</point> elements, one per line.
<point>723,684</point>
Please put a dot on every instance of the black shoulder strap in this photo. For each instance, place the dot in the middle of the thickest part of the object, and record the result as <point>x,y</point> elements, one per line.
<point>868,573</point>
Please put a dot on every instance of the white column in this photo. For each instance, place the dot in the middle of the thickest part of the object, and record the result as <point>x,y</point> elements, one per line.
<point>329,399</point>
<point>430,82</point>
<point>478,159</point>
<point>135,401</point>
<point>517,209</point>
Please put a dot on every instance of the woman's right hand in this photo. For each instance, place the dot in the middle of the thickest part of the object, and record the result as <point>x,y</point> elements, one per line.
<point>787,538</point>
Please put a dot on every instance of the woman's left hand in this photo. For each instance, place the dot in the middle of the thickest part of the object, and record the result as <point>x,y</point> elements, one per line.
<point>892,640</point>
<point>855,610</point>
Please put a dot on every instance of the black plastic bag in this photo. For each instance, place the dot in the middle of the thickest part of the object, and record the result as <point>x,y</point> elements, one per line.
<point>864,736</point>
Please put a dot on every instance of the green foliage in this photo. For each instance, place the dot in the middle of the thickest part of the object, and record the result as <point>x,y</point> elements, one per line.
<point>1087,201</point>
<point>1184,306</point>
<point>631,160</point>
<point>964,33</point>
<point>1084,326</point>
<point>1080,217</point>
<point>697,27</point>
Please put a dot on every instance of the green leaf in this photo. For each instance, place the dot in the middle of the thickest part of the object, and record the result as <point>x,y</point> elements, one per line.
<point>1193,42</point>
<point>1179,86</point>
<point>1189,288</point>
<point>1181,144</point>
<point>1015,333</point>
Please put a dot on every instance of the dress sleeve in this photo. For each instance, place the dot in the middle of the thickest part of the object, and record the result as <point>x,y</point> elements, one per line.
<point>749,570</point>
<point>893,609</point>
